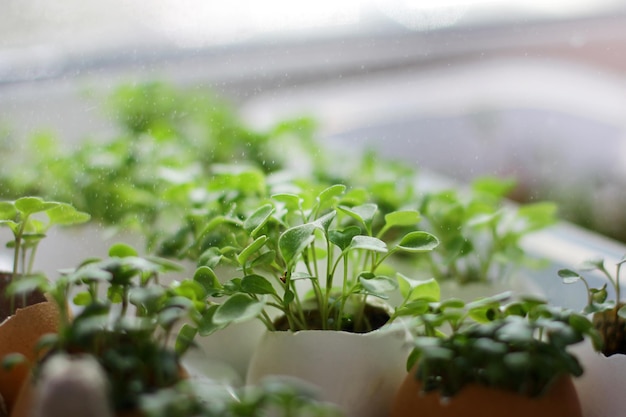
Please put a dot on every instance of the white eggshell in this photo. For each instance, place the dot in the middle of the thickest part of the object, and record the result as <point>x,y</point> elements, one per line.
<point>358,372</point>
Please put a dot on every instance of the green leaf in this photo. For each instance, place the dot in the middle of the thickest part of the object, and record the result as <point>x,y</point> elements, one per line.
<point>568,276</point>
<point>185,339</point>
<point>599,295</point>
<point>122,250</point>
<point>215,223</point>
<point>265,259</point>
<point>355,196</point>
<point>168,317</point>
<point>238,308</point>
<point>66,215</point>
<point>377,285</point>
<point>32,205</point>
<point>28,284</point>
<point>402,218</point>
<point>12,360</point>
<point>189,289</point>
<point>146,297</point>
<point>206,277</point>
<point>438,353</point>
<point>494,300</point>
<point>412,360</point>
<point>498,187</point>
<point>412,290</point>
<point>452,303</point>
<point>206,324</point>
<point>343,238</point>
<point>490,347</point>
<point>538,215</point>
<point>404,284</point>
<point>46,342</point>
<point>82,298</point>
<point>416,308</point>
<point>164,264</point>
<point>256,284</point>
<point>258,219</point>
<point>288,297</point>
<point>516,331</point>
<point>295,240</point>
<point>418,241</point>
<point>90,272</point>
<point>12,225</point>
<point>210,257</point>
<point>136,324</point>
<point>516,309</point>
<point>292,202</point>
<point>484,219</point>
<point>368,243</point>
<point>622,312</point>
<point>257,244</point>
<point>328,196</point>
<point>593,264</point>
<point>364,214</point>
<point>7,210</point>
<point>517,361</point>
<point>580,323</point>
<point>325,221</point>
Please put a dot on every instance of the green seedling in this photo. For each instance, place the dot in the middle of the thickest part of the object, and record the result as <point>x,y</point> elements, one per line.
<point>118,311</point>
<point>314,260</point>
<point>29,219</point>
<point>520,346</point>
<point>609,316</point>
<point>481,235</point>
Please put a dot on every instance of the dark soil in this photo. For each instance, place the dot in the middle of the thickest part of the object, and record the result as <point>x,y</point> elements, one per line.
<point>375,318</point>
<point>5,304</point>
<point>612,328</point>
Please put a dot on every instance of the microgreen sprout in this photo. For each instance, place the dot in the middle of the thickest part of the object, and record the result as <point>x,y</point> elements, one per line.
<point>167,141</point>
<point>609,316</point>
<point>126,319</point>
<point>330,242</point>
<point>481,234</point>
<point>29,218</point>
<point>519,346</point>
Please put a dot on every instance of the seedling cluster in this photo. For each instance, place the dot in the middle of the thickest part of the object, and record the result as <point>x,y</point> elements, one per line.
<point>609,315</point>
<point>520,346</point>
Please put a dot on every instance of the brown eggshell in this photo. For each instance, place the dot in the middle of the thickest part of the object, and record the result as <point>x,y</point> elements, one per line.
<point>23,402</point>
<point>479,401</point>
<point>19,334</point>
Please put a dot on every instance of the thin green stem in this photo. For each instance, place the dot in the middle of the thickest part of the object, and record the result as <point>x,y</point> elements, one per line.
<point>290,286</point>
<point>360,313</point>
<point>31,258</point>
<point>124,301</point>
<point>382,231</point>
<point>588,288</point>
<point>325,312</point>
<point>382,259</point>
<point>319,298</point>
<point>617,291</point>
<point>344,292</point>
<point>16,259</point>
<point>617,283</point>
<point>267,321</point>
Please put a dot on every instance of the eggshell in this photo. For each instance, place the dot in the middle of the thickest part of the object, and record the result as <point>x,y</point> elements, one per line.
<point>479,401</point>
<point>20,333</point>
<point>358,372</point>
